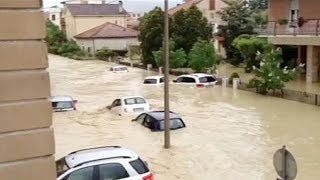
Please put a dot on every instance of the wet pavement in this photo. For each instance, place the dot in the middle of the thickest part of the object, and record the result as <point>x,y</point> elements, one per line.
<point>230,134</point>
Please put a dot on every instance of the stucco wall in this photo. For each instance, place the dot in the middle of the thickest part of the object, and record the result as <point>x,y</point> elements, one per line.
<point>85,23</point>
<point>211,15</point>
<point>112,43</point>
<point>26,137</point>
<point>70,24</point>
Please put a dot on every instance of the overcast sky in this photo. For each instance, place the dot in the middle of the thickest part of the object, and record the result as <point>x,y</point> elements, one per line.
<point>130,5</point>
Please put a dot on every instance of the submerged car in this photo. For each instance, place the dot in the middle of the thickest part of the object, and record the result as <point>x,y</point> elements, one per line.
<point>119,69</point>
<point>103,163</point>
<point>63,103</point>
<point>153,80</point>
<point>197,80</point>
<point>129,105</point>
<point>154,120</point>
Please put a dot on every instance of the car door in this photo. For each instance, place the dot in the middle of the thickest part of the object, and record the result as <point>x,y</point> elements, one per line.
<point>112,171</point>
<point>86,173</point>
<point>116,107</point>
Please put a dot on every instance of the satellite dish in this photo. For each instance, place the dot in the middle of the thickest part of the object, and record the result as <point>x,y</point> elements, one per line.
<point>285,164</point>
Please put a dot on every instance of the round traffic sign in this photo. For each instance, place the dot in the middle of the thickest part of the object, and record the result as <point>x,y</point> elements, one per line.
<point>285,164</point>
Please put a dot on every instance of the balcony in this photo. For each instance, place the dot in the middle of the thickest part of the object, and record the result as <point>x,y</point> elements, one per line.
<point>310,27</point>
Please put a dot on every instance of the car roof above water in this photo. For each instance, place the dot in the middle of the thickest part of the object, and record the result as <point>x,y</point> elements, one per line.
<point>159,115</point>
<point>199,75</point>
<point>61,98</point>
<point>153,77</point>
<point>95,154</point>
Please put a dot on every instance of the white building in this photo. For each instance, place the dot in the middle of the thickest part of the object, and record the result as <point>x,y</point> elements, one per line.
<point>109,35</point>
<point>54,15</point>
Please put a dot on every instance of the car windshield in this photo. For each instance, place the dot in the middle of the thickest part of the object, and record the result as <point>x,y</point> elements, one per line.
<point>61,166</point>
<point>174,124</point>
<point>206,79</point>
<point>137,100</point>
<point>62,105</point>
<point>121,69</point>
<point>150,81</point>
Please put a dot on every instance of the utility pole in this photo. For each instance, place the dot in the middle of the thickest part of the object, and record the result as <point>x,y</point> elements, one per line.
<point>166,78</point>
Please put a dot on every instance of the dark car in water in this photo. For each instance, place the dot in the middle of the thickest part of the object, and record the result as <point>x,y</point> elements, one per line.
<point>154,120</point>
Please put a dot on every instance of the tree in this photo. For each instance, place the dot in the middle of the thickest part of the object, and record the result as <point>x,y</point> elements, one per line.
<point>151,34</point>
<point>189,26</point>
<point>249,46</point>
<point>270,76</point>
<point>178,57</point>
<point>104,53</point>
<point>237,14</point>
<point>202,57</point>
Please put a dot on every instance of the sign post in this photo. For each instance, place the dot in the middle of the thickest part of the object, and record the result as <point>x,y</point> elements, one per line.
<point>285,164</point>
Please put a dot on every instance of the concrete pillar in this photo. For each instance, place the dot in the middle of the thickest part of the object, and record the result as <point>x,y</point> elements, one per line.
<point>236,83</point>
<point>299,55</point>
<point>160,71</point>
<point>225,82</point>
<point>313,53</point>
<point>26,137</point>
<point>149,67</point>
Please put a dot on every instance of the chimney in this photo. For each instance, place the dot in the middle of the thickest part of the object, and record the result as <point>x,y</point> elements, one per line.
<point>121,9</point>
<point>103,2</point>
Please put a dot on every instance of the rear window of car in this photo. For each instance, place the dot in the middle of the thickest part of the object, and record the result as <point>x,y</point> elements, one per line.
<point>150,81</point>
<point>174,124</point>
<point>131,101</point>
<point>139,166</point>
<point>206,79</point>
<point>121,69</point>
<point>62,105</point>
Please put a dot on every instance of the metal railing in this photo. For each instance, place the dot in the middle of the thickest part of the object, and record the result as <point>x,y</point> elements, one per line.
<point>309,27</point>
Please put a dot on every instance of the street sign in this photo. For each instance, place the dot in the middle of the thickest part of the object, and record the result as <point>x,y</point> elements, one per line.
<point>285,164</point>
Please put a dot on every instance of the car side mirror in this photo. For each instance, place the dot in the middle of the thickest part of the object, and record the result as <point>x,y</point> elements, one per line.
<point>174,81</point>
<point>75,101</point>
<point>133,120</point>
<point>109,107</point>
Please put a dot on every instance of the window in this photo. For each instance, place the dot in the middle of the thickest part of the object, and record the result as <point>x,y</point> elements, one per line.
<point>121,69</point>
<point>161,80</point>
<point>139,166</point>
<point>174,124</point>
<point>131,101</point>
<point>133,15</point>
<point>53,17</point>
<point>188,80</point>
<point>147,122</point>
<point>212,4</point>
<point>81,174</point>
<point>206,79</point>
<point>89,49</point>
<point>112,171</point>
<point>212,15</point>
<point>62,105</point>
<point>150,81</point>
<point>140,119</point>
<point>116,22</point>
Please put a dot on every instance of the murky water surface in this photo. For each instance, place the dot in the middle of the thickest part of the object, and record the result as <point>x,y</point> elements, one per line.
<point>229,135</point>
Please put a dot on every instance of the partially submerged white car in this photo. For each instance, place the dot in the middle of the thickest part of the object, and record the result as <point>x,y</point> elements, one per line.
<point>197,80</point>
<point>153,80</point>
<point>119,69</point>
<point>63,103</point>
<point>129,105</point>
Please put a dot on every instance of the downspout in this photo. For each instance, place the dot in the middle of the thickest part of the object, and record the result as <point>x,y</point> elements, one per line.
<point>94,47</point>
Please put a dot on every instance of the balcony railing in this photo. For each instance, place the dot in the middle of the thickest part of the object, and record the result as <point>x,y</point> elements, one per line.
<point>309,27</point>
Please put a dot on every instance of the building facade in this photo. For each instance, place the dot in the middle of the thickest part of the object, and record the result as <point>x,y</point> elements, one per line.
<point>78,18</point>
<point>26,136</point>
<point>108,35</point>
<point>54,15</point>
<point>297,23</point>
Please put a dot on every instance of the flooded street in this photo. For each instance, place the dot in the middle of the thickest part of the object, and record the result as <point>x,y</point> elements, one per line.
<point>229,135</point>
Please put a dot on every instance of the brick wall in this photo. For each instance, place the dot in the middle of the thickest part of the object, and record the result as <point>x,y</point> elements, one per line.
<point>278,9</point>
<point>26,138</point>
<point>309,9</point>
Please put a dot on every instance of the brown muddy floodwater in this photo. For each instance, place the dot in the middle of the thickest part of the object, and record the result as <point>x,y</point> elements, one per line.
<point>230,135</point>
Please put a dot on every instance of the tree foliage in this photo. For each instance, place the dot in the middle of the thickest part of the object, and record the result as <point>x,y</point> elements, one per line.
<point>151,34</point>
<point>270,76</point>
<point>237,14</point>
<point>202,57</point>
<point>258,4</point>
<point>104,54</point>
<point>188,27</point>
<point>177,57</point>
<point>249,46</point>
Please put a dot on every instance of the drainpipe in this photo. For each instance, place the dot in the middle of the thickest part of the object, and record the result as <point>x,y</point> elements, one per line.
<point>94,47</point>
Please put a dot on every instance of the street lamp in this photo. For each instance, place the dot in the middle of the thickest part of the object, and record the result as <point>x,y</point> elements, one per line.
<point>166,78</point>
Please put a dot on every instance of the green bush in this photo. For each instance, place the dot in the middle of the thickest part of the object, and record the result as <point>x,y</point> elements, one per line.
<point>104,54</point>
<point>233,75</point>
